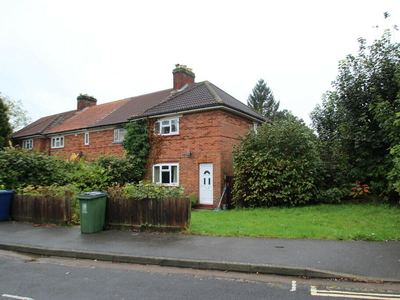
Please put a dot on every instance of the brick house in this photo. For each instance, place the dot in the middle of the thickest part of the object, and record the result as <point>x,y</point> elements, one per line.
<point>198,123</point>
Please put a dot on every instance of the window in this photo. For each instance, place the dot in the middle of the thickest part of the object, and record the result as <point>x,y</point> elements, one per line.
<point>57,142</point>
<point>87,138</point>
<point>27,144</point>
<point>119,135</point>
<point>166,174</point>
<point>167,126</point>
<point>255,127</point>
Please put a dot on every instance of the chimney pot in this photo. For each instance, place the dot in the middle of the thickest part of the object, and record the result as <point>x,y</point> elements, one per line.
<point>85,101</point>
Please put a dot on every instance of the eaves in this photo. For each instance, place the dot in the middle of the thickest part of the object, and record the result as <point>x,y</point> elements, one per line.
<point>199,109</point>
<point>85,129</point>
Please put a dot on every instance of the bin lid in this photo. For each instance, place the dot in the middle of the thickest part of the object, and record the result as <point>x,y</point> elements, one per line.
<point>6,192</point>
<point>91,195</point>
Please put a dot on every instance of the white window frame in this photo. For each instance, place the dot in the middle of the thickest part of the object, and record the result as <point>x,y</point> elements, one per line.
<point>119,135</point>
<point>87,138</point>
<point>167,126</point>
<point>162,170</point>
<point>255,127</point>
<point>27,144</point>
<point>57,142</point>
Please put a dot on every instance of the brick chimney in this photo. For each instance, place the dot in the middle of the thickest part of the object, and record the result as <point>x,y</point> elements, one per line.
<point>182,76</point>
<point>85,101</point>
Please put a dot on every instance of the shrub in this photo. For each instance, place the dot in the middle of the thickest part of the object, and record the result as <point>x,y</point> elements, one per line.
<point>194,200</point>
<point>145,189</point>
<point>87,177</point>
<point>22,167</point>
<point>276,166</point>
<point>118,169</point>
<point>50,190</point>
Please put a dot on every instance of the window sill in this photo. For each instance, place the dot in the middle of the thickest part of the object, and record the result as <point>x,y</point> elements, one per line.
<point>173,134</point>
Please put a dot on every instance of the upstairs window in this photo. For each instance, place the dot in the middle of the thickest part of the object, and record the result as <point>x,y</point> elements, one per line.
<point>167,126</point>
<point>57,142</point>
<point>119,135</point>
<point>87,138</point>
<point>166,174</point>
<point>27,144</point>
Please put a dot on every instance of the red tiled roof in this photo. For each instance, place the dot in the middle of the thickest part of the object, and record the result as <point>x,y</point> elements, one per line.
<point>87,117</point>
<point>42,125</point>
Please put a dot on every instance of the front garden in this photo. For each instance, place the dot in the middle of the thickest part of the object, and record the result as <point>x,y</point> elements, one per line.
<point>345,221</point>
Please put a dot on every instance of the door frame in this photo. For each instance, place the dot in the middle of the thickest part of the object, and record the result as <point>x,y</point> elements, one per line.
<point>203,167</point>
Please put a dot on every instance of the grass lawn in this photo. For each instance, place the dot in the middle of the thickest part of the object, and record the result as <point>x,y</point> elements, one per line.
<point>369,222</point>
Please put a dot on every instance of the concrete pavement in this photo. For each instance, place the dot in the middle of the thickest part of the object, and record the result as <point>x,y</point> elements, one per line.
<point>292,257</point>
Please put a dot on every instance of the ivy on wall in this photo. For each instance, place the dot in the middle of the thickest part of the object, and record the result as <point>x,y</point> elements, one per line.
<point>138,141</point>
<point>136,144</point>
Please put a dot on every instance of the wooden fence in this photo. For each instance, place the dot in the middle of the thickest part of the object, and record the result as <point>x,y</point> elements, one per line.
<point>167,214</point>
<point>41,209</point>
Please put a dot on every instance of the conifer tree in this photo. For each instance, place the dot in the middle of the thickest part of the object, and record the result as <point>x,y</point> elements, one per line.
<point>262,100</point>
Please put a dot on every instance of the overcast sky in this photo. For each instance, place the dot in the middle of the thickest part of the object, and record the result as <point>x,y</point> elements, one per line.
<point>53,50</point>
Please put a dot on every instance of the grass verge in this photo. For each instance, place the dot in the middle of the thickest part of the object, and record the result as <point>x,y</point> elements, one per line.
<point>366,221</point>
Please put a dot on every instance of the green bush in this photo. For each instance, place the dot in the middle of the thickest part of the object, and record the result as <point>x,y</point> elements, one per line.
<point>194,200</point>
<point>49,190</point>
<point>22,167</point>
<point>145,189</point>
<point>276,166</point>
<point>394,175</point>
<point>118,169</point>
<point>87,177</point>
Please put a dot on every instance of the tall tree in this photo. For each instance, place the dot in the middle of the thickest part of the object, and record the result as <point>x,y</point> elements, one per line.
<point>18,117</point>
<point>262,100</point>
<point>357,120</point>
<point>5,127</point>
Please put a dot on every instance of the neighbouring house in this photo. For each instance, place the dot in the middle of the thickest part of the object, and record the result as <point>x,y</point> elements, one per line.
<point>199,123</point>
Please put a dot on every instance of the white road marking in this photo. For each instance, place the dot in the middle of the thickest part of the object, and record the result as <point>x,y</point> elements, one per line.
<point>353,295</point>
<point>294,286</point>
<point>16,297</point>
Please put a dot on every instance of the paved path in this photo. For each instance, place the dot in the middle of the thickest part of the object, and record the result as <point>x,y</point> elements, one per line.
<point>297,257</point>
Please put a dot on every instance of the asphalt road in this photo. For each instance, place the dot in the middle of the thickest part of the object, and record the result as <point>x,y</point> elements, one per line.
<point>25,277</point>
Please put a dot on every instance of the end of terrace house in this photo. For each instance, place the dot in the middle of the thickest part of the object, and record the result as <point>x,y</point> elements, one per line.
<point>199,123</point>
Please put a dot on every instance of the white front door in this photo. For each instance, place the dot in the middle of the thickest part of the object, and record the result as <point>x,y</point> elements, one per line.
<point>206,184</point>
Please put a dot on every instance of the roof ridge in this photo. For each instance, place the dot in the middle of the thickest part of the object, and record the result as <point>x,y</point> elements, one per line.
<point>111,111</point>
<point>212,91</point>
<point>58,120</point>
<point>243,105</point>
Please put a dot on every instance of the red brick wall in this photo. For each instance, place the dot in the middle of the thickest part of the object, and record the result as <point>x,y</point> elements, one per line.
<point>101,142</point>
<point>209,136</point>
<point>41,144</point>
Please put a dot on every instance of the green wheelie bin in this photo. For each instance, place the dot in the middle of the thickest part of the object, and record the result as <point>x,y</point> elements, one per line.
<point>93,211</point>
